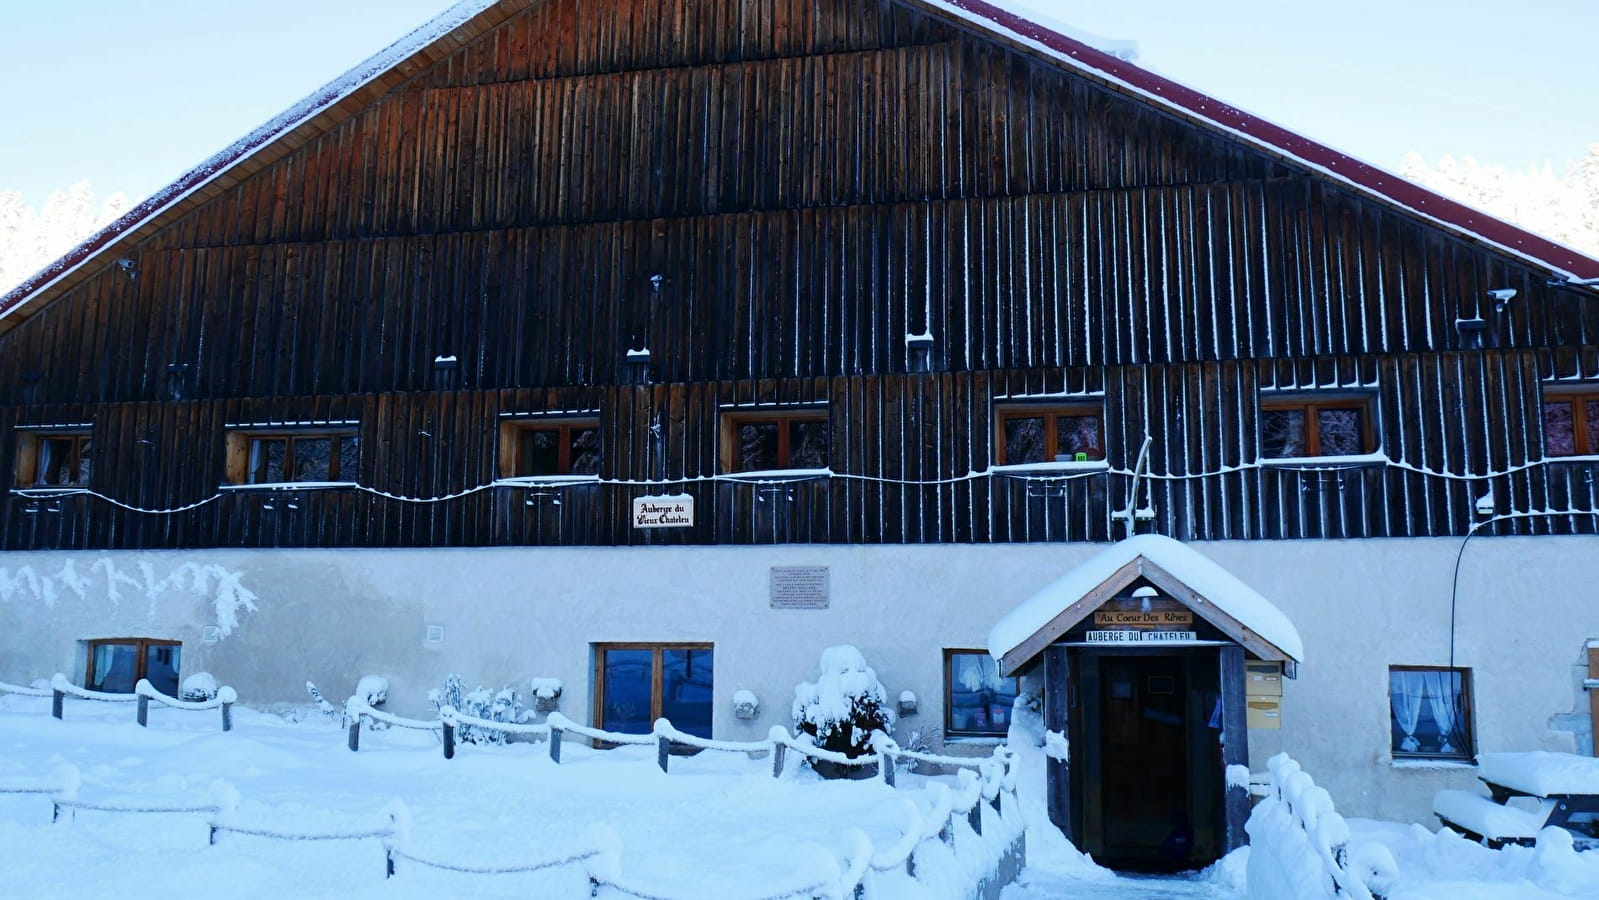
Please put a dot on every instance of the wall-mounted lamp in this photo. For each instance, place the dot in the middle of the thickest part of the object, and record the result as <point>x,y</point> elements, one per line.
<point>919,352</point>
<point>638,365</point>
<point>1502,297</point>
<point>128,264</point>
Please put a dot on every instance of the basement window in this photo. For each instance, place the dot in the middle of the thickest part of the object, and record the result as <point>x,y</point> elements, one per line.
<point>1429,713</point>
<point>305,458</point>
<point>776,440</point>
<point>977,701</point>
<point>117,664</point>
<point>1570,423</point>
<point>53,459</point>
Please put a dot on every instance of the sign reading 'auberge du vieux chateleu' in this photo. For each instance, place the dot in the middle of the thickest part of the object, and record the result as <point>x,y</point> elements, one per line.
<point>663,512</point>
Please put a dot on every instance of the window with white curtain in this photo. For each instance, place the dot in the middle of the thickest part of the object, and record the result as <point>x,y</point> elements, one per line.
<point>1430,712</point>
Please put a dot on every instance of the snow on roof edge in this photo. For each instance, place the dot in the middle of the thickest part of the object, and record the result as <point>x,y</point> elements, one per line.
<point>1084,56</point>
<point>1217,585</point>
<point>221,162</point>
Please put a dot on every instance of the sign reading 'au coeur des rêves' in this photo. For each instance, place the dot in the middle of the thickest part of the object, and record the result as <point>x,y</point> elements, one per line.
<point>663,512</point>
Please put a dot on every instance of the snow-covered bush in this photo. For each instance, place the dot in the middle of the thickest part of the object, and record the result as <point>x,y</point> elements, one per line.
<point>496,706</point>
<point>198,688</point>
<point>842,708</point>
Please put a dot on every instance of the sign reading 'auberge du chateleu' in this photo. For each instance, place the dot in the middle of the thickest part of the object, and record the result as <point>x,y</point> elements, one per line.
<point>663,512</point>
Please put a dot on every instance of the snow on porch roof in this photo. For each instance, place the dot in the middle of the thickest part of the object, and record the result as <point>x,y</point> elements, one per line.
<point>1218,586</point>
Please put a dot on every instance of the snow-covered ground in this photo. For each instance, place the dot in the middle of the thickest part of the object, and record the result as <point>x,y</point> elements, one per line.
<point>718,825</point>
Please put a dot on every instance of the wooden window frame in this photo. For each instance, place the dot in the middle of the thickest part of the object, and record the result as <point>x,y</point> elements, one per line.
<point>1579,398</point>
<point>142,647</point>
<point>26,472</point>
<point>657,669</point>
<point>1310,405</point>
<point>1467,711</point>
<point>733,419</point>
<point>513,430</point>
<point>239,442</point>
<point>1049,412</point>
<point>949,684</point>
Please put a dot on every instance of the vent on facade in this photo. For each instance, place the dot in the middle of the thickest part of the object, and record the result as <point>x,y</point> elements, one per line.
<point>178,386</point>
<point>919,352</point>
<point>638,365</point>
<point>445,370</point>
<point>1471,333</point>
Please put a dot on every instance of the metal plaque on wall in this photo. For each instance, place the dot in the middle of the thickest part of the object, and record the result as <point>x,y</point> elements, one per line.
<point>799,587</point>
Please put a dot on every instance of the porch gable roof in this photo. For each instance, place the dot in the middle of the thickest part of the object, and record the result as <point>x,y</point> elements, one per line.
<point>1212,592</point>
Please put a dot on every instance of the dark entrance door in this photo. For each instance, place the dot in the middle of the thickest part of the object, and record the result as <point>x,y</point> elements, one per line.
<point>1151,775</point>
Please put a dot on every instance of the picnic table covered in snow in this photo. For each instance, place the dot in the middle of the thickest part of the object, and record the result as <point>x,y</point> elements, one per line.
<point>1565,786</point>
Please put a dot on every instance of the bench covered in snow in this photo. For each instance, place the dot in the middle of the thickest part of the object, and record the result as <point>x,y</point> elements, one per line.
<point>1481,819</point>
<point>1539,774</point>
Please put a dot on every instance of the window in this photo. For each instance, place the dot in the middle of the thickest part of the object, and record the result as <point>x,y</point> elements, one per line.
<point>1430,712</point>
<point>281,457</point>
<point>1571,424</point>
<point>1293,427</point>
<point>1054,434</point>
<point>49,458</point>
<point>635,684</point>
<point>549,447</point>
<point>977,701</point>
<point>761,442</point>
<point>116,665</point>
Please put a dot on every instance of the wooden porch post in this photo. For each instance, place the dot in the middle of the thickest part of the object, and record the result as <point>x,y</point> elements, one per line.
<point>1056,683</point>
<point>1235,744</point>
<point>1593,696</point>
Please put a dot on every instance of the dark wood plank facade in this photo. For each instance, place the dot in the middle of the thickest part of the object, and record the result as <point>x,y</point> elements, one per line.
<point>770,195</point>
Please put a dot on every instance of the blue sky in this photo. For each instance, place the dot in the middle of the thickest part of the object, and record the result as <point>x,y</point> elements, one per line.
<point>130,93</point>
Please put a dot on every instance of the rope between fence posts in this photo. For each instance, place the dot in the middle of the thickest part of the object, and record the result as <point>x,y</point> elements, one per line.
<point>355,706</point>
<point>576,857</point>
<point>225,695</point>
<point>8,688</point>
<point>208,809</point>
<point>453,716</point>
<point>309,836</point>
<point>60,683</point>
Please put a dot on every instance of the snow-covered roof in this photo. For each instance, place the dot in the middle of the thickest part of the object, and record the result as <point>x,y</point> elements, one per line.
<point>1107,61</point>
<point>1216,586</point>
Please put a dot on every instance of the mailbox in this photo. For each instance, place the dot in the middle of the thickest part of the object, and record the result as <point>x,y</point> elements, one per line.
<point>1263,712</point>
<point>1263,679</point>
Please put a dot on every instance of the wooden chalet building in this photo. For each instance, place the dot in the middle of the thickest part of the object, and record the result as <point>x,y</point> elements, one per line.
<point>656,346</point>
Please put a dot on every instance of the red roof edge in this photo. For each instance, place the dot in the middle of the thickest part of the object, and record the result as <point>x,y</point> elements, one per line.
<point>1408,194</point>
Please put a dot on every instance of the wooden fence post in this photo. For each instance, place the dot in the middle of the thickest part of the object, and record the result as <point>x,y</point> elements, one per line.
<point>885,763</point>
<point>449,740</point>
<point>227,717</point>
<point>555,744</point>
<point>144,711</point>
<point>57,700</point>
<point>777,759</point>
<point>974,817</point>
<point>663,749</point>
<point>355,734</point>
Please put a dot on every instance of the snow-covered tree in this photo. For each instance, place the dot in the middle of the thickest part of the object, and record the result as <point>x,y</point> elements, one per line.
<point>32,238</point>
<point>843,707</point>
<point>1562,207</point>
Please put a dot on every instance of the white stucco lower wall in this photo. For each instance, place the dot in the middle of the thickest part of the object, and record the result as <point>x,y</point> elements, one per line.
<point>1524,611</point>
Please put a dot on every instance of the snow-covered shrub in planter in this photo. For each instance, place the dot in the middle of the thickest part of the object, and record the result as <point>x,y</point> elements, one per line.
<point>546,694</point>
<point>842,708</point>
<point>495,706</point>
<point>374,689</point>
<point>198,688</point>
<point>745,705</point>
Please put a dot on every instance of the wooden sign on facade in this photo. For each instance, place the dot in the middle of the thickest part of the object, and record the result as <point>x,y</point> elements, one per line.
<point>663,512</point>
<point>1156,618</point>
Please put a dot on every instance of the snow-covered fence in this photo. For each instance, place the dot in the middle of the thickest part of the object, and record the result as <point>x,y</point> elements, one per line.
<point>143,695</point>
<point>1300,844</point>
<point>950,839</point>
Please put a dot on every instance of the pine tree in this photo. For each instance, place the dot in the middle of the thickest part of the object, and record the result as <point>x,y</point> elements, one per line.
<point>31,239</point>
